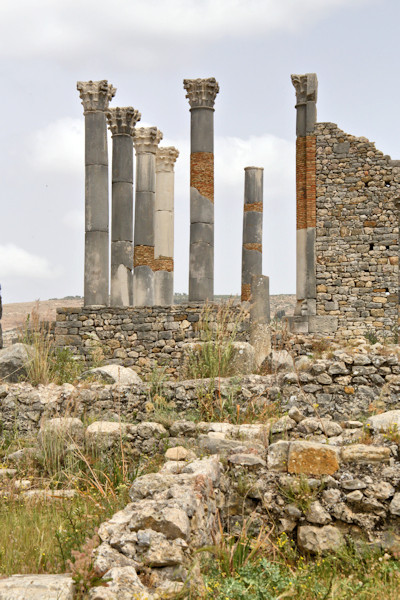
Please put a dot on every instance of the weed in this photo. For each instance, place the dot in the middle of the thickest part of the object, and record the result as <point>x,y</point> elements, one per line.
<point>299,492</point>
<point>212,356</point>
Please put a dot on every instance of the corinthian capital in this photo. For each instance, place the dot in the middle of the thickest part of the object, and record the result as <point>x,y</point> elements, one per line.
<point>95,95</point>
<point>201,92</point>
<point>146,139</point>
<point>122,120</point>
<point>165,158</point>
<point>306,87</point>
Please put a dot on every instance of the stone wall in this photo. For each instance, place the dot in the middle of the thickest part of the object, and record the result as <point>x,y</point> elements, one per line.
<point>140,337</point>
<point>346,386</point>
<point>357,235</point>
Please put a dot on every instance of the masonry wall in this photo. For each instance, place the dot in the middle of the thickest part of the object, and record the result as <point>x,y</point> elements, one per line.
<point>357,235</point>
<point>137,337</point>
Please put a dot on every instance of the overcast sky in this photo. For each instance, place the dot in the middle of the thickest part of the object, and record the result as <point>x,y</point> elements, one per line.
<point>145,48</point>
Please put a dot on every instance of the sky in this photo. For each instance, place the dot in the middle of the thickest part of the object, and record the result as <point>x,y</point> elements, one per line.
<point>145,48</point>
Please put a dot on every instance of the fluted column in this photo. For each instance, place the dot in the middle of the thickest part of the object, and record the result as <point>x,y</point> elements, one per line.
<point>201,94</point>
<point>164,226</point>
<point>95,96</point>
<point>122,123</point>
<point>252,228</point>
<point>146,140</point>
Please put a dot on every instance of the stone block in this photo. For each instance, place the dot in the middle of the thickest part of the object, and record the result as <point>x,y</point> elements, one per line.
<point>37,587</point>
<point>322,324</point>
<point>365,454</point>
<point>312,458</point>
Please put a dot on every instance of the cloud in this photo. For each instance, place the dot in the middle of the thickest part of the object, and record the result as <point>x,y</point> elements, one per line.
<point>58,147</point>
<point>16,262</point>
<point>134,31</point>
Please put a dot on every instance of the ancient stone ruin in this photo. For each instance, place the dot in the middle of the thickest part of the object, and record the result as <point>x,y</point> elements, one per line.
<point>347,228</point>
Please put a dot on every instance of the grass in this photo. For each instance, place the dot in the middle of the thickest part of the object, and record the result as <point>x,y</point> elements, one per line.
<point>217,332</point>
<point>39,536</point>
<point>49,535</point>
<point>283,573</point>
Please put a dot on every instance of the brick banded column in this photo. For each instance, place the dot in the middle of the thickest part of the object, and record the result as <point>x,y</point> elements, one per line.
<point>121,122</point>
<point>306,98</point>
<point>201,94</point>
<point>146,140</point>
<point>164,226</point>
<point>252,228</point>
<point>95,96</point>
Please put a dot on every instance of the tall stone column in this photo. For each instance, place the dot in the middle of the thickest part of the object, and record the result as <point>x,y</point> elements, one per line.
<point>252,228</point>
<point>164,226</point>
<point>201,94</point>
<point>306,87</point>
<point>146,140</point>
<point>95,96</point>
<point>122,123</point>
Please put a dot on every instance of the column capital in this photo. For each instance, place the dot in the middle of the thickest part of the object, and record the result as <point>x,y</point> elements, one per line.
<point>122,120</point>
<point>306,87</point>
<point>165,158</point>
<point>146,139</point>
<point>201,93</point>
<point>95,95</point>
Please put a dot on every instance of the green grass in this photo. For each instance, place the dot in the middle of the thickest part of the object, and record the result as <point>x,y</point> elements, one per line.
<point>364,575</point>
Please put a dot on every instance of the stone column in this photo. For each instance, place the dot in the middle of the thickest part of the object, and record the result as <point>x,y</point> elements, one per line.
<point>95,96</point>
<point>146,140</point>
<point>164,226</point>
<point>260,335</point>
<point>252,228</point>
<point>306,115</point>
<point>201,94</point>
<point>122,123</point>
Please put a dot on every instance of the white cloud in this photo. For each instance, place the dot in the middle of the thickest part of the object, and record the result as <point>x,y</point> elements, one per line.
<point>66,29</point>
<point>16,262</point>
<point>58,147</point>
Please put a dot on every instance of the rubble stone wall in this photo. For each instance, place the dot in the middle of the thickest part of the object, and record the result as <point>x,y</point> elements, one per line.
<point>357,236</point>
<point>140,337</point>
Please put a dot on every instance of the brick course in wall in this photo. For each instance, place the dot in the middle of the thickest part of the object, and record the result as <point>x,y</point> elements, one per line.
<point>138,337</point>
<point>357,236</point>
<point>305,181</point>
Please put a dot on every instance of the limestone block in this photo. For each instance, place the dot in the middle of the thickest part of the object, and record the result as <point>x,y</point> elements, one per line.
<point>277,458</point>
<point>114,374</point>
<point>37,587</point>
<point>106,557</point>
<point>322,324</point>
<point>385,421</point>
<point>365,454</point>
<point>281,360</point>
<point>247,460</point>
<point>103,434</point>
<point>13,361</point>
<point>317,514</point>
<point>172,522</point>
<point>177,453</point>
<point>395,505</point>
<point>312,458</point>
<point>319,539</point>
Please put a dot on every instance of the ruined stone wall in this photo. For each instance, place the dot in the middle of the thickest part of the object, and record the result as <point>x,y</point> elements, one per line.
<point>139,337</point>
<point>357,236</point>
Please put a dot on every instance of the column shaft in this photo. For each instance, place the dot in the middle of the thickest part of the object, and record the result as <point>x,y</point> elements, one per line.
<point>252,228</point>
<point>95,97</point>
<point>260,335</point>
<point>164,227</point>
<point>306,114</point>
<point>146,140</point>
<point>122,122</point>
<point>201,94</point>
